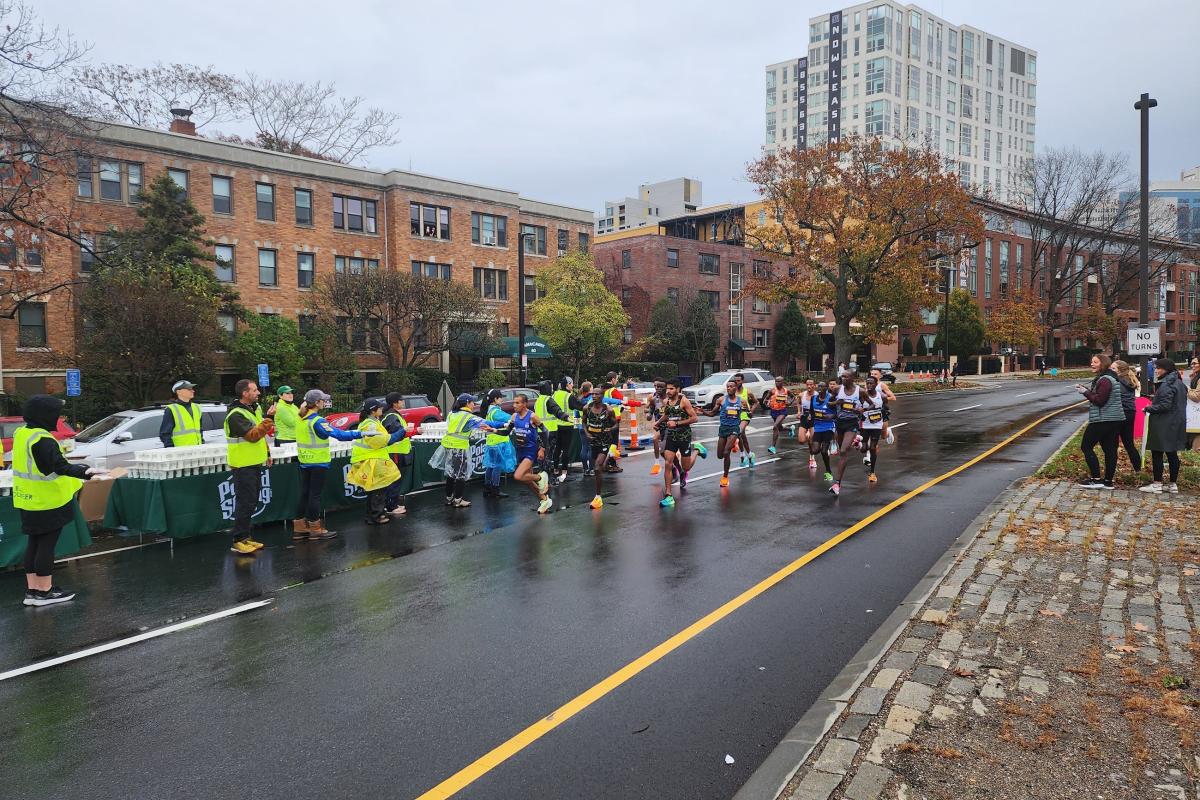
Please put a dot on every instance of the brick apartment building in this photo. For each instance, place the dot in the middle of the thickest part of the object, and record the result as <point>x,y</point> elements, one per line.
<point>280,223</point>
<point>705,252</point>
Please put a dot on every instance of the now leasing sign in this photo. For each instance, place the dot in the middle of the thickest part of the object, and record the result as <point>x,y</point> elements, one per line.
<point>1143,342</point>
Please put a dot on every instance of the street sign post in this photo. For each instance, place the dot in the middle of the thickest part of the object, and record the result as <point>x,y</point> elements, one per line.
<point>74,383</point>
<point>264,375</point>
<point>1143,341</point>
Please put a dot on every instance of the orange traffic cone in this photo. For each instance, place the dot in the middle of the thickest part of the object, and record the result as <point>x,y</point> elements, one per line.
<point>911,376</point>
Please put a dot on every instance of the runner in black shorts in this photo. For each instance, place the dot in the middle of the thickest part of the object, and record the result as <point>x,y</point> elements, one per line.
<point>675,429</point>
<point>779,402</point>
<point>804,428</point>
<point>848,406</point>
<point>872,426</point>
<point>600,426</point>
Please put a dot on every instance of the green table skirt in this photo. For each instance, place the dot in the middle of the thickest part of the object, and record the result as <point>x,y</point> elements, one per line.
<point>75,536</point>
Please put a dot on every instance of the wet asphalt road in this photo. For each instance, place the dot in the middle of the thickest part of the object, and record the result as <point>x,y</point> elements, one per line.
<point>391,659</point>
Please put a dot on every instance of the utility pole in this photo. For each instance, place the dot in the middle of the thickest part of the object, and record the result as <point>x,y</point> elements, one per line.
<point>1143,106</point>
<point>521,304</point>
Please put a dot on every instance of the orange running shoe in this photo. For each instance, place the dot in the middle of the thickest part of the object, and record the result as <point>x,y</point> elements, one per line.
<point>724,480</point>
<point>656,469</point>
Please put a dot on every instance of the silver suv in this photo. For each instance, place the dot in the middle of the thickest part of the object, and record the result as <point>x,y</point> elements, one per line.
<point>113,441</point>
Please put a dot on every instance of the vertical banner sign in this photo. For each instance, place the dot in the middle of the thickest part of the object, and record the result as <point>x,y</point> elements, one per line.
<point>74,383</point>
<point>802,108</point>
<point>835,77</point>
<point>264,377</point>
<point>964,265</point>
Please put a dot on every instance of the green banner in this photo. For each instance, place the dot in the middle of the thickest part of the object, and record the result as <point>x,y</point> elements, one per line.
<point>12,542</point>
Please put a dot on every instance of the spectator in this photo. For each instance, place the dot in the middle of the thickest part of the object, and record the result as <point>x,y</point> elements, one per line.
<point>1128,381</point>
<point>1193,406</point>
<point>954,376</point>
<point>1105,419</point>
<point>1167,420</point>
<point>182,423</point>
<point>1041,365</point>
<point>287,417</point>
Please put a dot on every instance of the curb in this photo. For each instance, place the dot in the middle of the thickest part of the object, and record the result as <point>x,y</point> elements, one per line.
<point>773,775</point>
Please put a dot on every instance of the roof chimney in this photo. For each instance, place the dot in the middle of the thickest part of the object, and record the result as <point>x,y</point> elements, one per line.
<point>181,121</point>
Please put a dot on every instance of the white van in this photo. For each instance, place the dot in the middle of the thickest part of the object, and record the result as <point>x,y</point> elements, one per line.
<point>113,441</point>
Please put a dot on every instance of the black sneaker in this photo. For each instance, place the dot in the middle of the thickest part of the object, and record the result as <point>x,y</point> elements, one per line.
<point>1091,483</point>
<point>49,597</point>
<point>1105,485</point>
<point>30,596</point>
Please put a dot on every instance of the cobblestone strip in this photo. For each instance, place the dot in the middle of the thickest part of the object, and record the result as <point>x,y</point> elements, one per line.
<point>983,648</point>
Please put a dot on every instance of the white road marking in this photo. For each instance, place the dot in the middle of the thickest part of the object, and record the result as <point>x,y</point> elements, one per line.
<point>110,552</point>
<point>967,408</point>
<point>141,637</point>
<point>1023,394</point>
<point>897,425</point>
<point>732,470</point>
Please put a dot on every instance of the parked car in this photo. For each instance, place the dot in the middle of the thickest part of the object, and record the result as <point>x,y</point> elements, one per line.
<point>9,424</point>
<point>417,411</point>
<point>113,441</point>
<point>886,368</point>
<point>508,393</point>
<point>757,382</point>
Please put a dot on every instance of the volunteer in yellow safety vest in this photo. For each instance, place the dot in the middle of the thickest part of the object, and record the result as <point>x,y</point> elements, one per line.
<point>553,415</point>
<point>44,487</point>
<point>566,399</point>
<point>400,452</point>
<point>457,459</point>
<point>182,422</point>
<point>312,452</point>
<point>246,432</point>
<point>287,417</point>
<point>370,423</point>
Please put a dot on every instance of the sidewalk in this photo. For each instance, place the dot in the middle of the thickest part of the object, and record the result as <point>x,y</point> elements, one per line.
<point>1056,658</point>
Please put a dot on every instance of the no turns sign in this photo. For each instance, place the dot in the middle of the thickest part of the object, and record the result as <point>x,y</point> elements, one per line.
<point>1143,341</point>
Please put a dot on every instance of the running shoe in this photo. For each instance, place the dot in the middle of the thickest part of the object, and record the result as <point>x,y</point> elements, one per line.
<point>828,476</point>
<point>872,478</point>
<point>1154,488</point>
<point>257,545</point>
<point>597,502</point>
<point>462,503</point>
<point>243,548</point>
<point>544,506</point>
<point>867,459</point>
<point>812,462</point>
<point>772,450</point>
<point>891,438</point>
<point>49,597</point>
<point>1108,485</point>
<point>1171,488</point>
<point>667,501</point>
<point>657,468</point>
<point>543,483</point>
<point>1091,483</point>
<point>833,448</point>
<point>743,461</point>
<point>835,489</point>
<point>724,480</point>
<point>701,450</point>
<point>683,479</point>
<point>751,459</point>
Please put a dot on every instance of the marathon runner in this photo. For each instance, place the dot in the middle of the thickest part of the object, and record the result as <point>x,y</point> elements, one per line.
<point>820,410</point>
<point>675,425</point>
<point>528,437</point>
<point>728,407</point>
<point>848,405</point>
<point>654,410</point>
<point>888,397</point>
<point>600,427</point>
<point>872,425</point>
<point>779,402</point>
<point>749,405</point>
<point>804,428</point>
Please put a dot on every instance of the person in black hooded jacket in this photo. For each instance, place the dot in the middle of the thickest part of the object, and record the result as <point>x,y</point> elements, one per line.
<point>43,527</point>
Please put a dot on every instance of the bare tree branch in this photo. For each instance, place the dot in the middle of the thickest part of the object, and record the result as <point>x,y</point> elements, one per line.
<point>145,95</point>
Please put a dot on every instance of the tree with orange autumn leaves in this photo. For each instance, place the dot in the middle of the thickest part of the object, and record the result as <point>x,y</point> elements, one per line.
<point>863,229</point>
<point>1014,321</point>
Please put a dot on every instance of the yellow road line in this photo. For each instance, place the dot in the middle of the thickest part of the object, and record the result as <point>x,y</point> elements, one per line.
<point>489,761</point>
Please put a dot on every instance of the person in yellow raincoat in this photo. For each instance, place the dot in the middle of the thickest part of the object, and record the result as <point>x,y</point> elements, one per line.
<point>370,464</point>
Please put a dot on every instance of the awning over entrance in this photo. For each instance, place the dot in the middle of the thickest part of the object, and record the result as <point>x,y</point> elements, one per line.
<point>741,344</point>
<point>534,348</point>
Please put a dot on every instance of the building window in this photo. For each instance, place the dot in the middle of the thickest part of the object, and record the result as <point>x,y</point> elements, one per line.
<point>673,295</point>
<point>8,252</point>
<point>180,177</point>
<point>305,267</point>
<point>564,241</point>
<point>266,268</point>
<point>491,284</point>
<point>987,271</point>
<point>87,252</point>
<point>222,192</point>
<point>627,335</point>
<point>761,269</point>
<point>762,337</point>
<point>710,264</point>
<point>672,258</point>
<point>307,324</point>
<point>354,214</point>
<point>760,306</point>
<point>304,213</point>
<point>535,244</point>
<point>429,222</point>
<point>489,230</point>
<point>429,269</point>
<point>110,180</point>
<point>133,176</point>
<point>585,241</point>
<point>32,320</point>
<point>626,295</point>
<point>264,201</point>
<point>626,259</point>
<point>713,298</point>
<point>227,324</point>
<point>224,268</point>
<point>354,264</point>
<point>532,292</point>
<point>83,176</point>
<point>33,252</point>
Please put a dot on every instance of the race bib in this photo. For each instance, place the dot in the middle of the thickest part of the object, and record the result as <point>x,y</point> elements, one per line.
<point>874,416</point>
<point>848,405</point>
<point>733,412</point>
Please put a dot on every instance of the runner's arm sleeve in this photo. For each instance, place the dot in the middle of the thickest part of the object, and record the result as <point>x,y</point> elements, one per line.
<point>166,427</point>
<point>49,458</point>
<point>326,431</point>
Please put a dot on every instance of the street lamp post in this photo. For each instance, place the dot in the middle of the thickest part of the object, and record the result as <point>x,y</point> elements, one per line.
<point>946,335</point>
<point>521,360</point>
<point>1143,106</point>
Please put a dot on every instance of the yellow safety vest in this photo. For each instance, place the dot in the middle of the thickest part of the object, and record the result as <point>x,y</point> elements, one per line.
<point>563,398</point>
<point>404,446</point>
<point>239,452</point>
<point>361,451</point>
<point>310,448</point>
<point>33,490</point>
<point>457,437</point>
<point>539,408</point>
<point>287,421</point>
<point>608,393</point>
<point>493,419</point>
<point>745,396</point>
<point>186,432</point>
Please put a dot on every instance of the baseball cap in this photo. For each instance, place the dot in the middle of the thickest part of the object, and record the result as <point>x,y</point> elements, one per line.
<point>465,398</point>
<point>371,405</point>
<point>284,389</point>
<point>314,396</point>
<point>182,385</point>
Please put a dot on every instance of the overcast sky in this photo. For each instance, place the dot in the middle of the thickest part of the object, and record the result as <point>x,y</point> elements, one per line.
<point>578,102</point>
